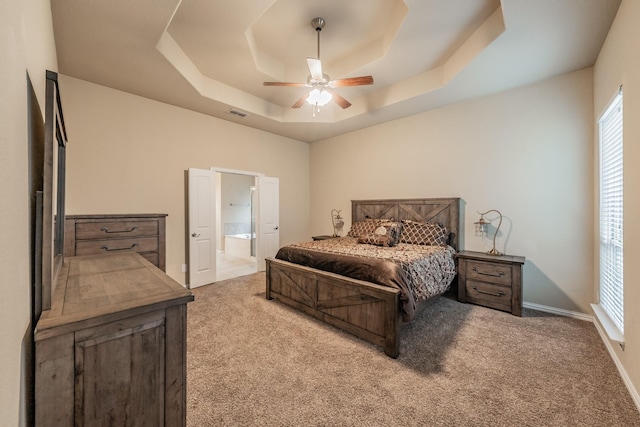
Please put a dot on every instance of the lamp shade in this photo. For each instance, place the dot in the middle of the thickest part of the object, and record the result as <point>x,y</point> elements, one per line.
<point>319,97</point>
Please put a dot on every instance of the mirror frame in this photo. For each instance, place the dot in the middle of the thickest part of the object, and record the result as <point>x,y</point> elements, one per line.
<point>53,203</point>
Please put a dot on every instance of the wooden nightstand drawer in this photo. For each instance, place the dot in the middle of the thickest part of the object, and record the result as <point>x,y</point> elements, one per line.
<point>491,280</point>
<point>499,274</point>
<point>488,294</point>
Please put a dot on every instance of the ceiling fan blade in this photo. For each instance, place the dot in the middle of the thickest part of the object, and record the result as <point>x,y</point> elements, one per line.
<point>353,81</point>
<point>300,102</point>
<point>315,68</point>
<point>283,84</point>
<point>339,100</point>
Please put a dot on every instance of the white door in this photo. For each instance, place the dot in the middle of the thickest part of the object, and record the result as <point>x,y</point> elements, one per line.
<point>269,219</point>
<point>202,227</point>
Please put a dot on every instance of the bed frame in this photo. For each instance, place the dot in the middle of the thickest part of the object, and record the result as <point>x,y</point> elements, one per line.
<point>369,311</point>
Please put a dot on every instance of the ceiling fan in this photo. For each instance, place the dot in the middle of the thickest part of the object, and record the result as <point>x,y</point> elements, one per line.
<point>322,86</point>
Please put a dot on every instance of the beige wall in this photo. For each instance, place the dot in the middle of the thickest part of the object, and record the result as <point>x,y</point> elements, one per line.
<point>619,64</point>
<point>526,152</point>
<point>128,154</point>
<point>26,45</point>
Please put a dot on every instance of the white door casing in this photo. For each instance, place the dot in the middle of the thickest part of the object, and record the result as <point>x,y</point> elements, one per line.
<point>202,227</point>
<point>269,219</point>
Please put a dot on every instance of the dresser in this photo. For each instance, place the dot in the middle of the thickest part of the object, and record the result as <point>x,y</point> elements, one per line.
<point>490,280</point>
<point>112,348</point>
<point>101,234</point>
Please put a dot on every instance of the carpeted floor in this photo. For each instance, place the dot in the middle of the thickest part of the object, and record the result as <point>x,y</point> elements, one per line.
<point>257,362</point>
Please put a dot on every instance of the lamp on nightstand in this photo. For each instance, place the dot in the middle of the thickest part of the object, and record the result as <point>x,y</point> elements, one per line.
<point>482,229</point>
<point>337,222</point>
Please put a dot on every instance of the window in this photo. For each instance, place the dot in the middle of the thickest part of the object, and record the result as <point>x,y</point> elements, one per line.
<point>611,220</point>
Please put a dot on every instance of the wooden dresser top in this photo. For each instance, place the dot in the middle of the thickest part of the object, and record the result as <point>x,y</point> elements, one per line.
<point>101,288</point>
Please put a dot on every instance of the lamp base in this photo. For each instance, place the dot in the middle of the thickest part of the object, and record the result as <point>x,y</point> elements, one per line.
<point>495,252</point>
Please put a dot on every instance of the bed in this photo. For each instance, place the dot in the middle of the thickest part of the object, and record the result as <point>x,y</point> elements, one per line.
<point>369,310</point>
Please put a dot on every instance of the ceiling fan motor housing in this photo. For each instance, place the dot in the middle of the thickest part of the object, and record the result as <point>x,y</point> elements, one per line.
<point>318,23</point>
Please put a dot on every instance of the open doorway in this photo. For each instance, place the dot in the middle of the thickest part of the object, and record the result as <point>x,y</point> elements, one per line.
<point>236,225</point>
<point>207,228</point>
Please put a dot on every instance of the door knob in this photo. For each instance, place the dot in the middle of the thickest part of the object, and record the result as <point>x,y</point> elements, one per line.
<point>275,228</point>
<point>195,235</point>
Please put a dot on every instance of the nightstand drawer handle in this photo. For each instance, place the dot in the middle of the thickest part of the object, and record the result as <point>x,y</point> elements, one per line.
<point>106,230</point>
<point>500,274</point>
<point>499,294</point>
<point>106,248</point>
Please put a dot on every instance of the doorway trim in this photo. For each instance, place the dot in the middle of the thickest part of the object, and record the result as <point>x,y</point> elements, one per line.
<point>235,171</point>
<point>259,177</point>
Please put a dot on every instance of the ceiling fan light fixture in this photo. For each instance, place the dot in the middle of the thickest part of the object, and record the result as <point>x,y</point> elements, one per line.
<point>319,97</point>
<point>321,84</point>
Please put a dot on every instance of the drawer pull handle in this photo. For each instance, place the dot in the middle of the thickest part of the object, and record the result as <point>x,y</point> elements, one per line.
<point>106,248</point>
<point>500,273</point>
<point>499,294</point>
<point>106,230</point>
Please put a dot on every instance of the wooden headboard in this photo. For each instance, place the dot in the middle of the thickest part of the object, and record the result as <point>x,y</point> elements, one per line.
<point>445,211</point>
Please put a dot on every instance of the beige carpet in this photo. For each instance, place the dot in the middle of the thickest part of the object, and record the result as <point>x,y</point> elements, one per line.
<point>256,362</point>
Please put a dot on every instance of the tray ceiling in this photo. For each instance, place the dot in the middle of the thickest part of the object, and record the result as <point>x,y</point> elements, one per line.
<point>212,56</point>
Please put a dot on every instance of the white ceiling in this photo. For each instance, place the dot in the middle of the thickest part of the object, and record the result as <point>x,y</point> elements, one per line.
<point>211,56</point>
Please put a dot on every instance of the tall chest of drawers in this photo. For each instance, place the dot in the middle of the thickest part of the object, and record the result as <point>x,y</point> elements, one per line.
<point>491,281</point>
<point>104,234</point>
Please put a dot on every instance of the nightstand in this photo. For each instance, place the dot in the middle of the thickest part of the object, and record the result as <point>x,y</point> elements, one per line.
<point>493,281</point>
<point>324,237</point>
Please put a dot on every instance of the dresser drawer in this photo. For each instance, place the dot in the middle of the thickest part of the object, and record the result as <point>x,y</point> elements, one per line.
<point>95,234</point>
<point>114,229</point>
<point>95,247</point>
<point>499,274</point>
<point>489,295</point>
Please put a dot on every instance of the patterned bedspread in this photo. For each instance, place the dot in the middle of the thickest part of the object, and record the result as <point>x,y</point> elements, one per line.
<point>419,271</point>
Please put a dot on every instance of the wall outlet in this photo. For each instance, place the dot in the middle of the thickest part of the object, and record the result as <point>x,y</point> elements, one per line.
<point>184,268</point>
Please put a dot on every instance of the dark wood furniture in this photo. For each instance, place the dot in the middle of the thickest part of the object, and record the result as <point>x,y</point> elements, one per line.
<point>112,348</point>
<point>490,280</point>
<point>369,311</point>
<point>101,234</point>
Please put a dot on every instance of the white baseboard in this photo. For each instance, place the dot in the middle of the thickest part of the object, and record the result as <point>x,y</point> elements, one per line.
<point>603,336</point>
<point>558,311</point>
<point>627,381</point>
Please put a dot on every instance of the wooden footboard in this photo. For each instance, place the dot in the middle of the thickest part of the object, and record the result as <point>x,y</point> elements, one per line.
<point>366,310</point>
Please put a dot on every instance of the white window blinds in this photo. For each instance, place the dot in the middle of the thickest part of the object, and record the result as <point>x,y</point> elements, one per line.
<point>611,224</point>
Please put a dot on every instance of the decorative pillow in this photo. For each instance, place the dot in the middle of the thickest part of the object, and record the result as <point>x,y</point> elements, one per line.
<point>375,239</point>
<point>386,234</point>
<point>365,227</point>
<point>423,233</point>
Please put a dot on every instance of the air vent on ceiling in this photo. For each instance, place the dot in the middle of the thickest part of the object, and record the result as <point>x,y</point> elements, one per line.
<point>238,113</point>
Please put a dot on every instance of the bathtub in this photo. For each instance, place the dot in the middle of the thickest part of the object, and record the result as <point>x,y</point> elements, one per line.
<point>238,245</point>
